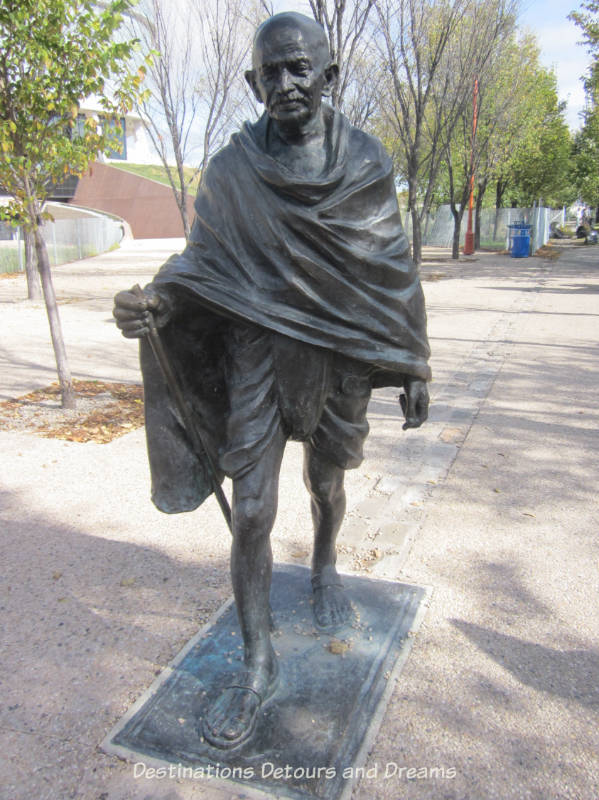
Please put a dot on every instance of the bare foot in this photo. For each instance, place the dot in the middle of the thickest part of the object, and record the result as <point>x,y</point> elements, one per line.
<point>331,606</point>
<point>231,719</point>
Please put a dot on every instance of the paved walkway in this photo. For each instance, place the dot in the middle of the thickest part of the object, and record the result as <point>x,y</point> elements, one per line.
<point>492,504</point>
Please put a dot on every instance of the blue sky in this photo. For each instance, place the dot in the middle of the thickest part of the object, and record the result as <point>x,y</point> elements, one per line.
<point>558,39</point>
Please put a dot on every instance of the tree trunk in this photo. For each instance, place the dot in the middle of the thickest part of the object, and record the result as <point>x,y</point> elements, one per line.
<point>458,215</point>
<point>34,289</point>
<point>457,227</point>
<point>482,188</point>
<point>185,215</point>
<point>183,192</point>
<point>427,224</point>
<point>456,212</point>
<point>64,373</point>
<point>416,236</point>
<point>412,208</point>
<point>500,188</point>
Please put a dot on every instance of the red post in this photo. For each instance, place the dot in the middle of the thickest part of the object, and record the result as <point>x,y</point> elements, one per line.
<point>469,241</point>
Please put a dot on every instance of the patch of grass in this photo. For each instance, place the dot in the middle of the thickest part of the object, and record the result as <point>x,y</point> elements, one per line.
<point>156,172</point>
<point>9,257</point>
<point>492,246</point>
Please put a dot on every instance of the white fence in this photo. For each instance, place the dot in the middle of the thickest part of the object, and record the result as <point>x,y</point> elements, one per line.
<point>66,239</point>
<point>437,228</point>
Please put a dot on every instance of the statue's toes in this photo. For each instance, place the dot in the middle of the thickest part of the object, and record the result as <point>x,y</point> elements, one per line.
<point>332,608</point>
<point>235,727</point>
<point>341,610</point>
<point>232,718</point>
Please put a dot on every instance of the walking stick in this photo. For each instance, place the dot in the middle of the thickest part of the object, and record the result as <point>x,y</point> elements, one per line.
<point>184,409</point>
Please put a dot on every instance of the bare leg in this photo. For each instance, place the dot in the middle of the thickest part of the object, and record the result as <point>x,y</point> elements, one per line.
<point>232,717</point>
<point>324,481</point>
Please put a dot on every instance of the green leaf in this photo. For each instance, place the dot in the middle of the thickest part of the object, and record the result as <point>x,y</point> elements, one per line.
<point>55,53</point>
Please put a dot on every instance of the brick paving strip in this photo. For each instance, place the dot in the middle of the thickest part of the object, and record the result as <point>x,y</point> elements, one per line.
<point>382,527</point>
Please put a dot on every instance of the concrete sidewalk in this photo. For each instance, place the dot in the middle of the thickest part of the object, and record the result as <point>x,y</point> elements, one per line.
<point>492,504</point>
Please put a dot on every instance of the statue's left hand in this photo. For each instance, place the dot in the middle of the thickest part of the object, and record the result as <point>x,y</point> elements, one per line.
<point>414,402</point>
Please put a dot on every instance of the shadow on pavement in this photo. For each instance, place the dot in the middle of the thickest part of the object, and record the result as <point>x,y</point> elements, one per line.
<point>87,623</point>
<point>571,674</point>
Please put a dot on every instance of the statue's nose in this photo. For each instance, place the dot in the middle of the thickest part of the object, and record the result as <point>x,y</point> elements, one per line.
<point>285,80</point>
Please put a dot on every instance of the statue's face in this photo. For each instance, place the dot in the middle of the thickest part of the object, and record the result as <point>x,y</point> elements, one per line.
<point>291,72</point>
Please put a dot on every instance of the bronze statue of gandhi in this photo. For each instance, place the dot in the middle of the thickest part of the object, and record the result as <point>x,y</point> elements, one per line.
<point>294,297</point>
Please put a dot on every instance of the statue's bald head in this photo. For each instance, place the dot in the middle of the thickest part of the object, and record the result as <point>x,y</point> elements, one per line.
<point>292,69</point>
<point>310,31</point>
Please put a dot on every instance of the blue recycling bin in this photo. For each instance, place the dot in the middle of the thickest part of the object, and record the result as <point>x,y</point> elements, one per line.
<point>520,239</point>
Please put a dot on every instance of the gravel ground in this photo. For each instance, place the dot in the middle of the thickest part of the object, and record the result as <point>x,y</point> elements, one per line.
<point>29,416</point>
<point>492,505</point>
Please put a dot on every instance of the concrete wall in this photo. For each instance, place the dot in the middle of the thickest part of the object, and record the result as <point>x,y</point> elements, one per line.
<point>148,206</point>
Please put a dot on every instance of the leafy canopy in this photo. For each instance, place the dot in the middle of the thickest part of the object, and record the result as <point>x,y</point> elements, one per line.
<point>585,166</point>
<point>587,19</point>
<point>540,165</point>
<point>53,55</point>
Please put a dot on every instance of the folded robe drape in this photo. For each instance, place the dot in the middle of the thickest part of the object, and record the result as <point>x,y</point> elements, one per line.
<point>321,260</point>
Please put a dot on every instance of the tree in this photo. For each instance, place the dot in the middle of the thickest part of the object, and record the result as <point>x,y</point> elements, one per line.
<point>195,82</point>
<point>540,163</point>
<point>510,115</point>
<point>349,30</point>
<point>416,37</point>
<point>585,171</point>
<point>587,18</point>
<point>53,54</point>
<point>522,141</point>
<point>476,53</point>
<point>585,152</point>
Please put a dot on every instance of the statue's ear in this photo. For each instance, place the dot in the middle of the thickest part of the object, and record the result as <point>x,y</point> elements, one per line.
<point>331,75</point>
<point>250,76</point>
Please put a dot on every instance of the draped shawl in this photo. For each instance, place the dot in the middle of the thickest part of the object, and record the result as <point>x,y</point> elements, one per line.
<point>321,260</point>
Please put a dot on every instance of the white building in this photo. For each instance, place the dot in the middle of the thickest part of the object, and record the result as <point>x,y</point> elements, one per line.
<point>135,145</point>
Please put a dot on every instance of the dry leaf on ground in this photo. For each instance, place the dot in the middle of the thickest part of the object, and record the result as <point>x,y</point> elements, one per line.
<point>104,411</point>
